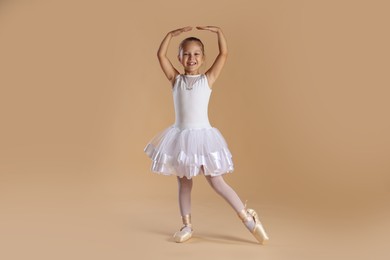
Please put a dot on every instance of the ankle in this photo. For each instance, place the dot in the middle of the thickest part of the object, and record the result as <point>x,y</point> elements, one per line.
<point>186,219</point>
<point>186,229</point>
<point>247,219</point>
<point>244,216</point>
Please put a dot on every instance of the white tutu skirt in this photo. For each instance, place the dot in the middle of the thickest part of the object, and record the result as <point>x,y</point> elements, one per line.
<point>182,152</point>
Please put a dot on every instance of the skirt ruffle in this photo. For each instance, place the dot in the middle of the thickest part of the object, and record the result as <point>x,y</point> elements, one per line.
<point>182,152</point>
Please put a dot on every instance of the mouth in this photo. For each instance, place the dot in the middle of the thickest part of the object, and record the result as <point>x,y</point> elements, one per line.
<point>191,63</point>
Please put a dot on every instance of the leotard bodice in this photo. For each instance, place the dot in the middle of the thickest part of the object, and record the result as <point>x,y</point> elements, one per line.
<point>191,95</point>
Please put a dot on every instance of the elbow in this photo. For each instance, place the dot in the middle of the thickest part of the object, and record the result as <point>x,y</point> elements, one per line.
<point>223,54</point>
<point>160,55</point>
<point>223,51</point>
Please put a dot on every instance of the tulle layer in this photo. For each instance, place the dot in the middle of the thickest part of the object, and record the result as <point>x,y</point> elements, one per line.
<point>182,152</point>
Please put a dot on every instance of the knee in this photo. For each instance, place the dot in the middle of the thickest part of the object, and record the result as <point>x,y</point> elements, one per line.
<point>217,183</point>
<point>184,183</point>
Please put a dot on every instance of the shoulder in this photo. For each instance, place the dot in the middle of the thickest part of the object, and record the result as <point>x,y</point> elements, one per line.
<point>210,79</point>
<point>175,80</point>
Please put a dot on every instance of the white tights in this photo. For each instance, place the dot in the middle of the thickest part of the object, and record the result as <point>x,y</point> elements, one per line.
<point>219,185</point>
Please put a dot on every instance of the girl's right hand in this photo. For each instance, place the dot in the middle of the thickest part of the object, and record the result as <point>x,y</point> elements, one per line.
<point>179,31</point>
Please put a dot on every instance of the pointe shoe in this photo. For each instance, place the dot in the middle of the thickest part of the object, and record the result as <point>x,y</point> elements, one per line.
<point>258,230</point>
<point>183,235</point>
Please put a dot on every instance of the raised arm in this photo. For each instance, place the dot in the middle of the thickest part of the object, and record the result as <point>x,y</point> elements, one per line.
<point>214,71</point>
<point>165,63</point>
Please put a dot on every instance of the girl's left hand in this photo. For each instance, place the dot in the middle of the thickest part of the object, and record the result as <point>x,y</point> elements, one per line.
<point>209,28</point>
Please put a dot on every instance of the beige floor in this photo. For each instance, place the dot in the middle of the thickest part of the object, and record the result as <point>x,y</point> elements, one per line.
<point>63,218</point>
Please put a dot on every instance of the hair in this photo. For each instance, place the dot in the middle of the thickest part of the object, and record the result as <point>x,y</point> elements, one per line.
<point>191,39</point>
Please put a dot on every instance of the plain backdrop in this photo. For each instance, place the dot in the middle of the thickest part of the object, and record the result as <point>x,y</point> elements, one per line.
<point>302,103</point>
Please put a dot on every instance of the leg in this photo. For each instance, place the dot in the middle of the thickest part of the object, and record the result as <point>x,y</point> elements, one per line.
<point>184,187</point>
<point>224,190</point>
<point>249,217</point>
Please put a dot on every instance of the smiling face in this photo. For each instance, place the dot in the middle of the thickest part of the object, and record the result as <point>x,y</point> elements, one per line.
<point>191,57</point>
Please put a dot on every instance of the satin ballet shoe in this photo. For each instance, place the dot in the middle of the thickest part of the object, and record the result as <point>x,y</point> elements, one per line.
<point>258,230</point>
<point>183,235</point>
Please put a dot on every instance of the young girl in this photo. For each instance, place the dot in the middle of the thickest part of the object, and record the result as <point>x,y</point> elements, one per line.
<point>191,145</point>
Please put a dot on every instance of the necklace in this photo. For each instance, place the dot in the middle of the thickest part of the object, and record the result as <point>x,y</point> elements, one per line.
<point>190,81</point>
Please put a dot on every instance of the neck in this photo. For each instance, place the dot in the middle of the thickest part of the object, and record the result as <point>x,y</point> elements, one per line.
<point>191,73</point>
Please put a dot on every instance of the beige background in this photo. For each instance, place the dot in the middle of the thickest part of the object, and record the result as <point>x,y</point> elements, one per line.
<point>302,103</point>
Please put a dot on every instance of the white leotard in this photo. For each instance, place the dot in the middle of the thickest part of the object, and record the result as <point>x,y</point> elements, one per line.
<point>191,95</point>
